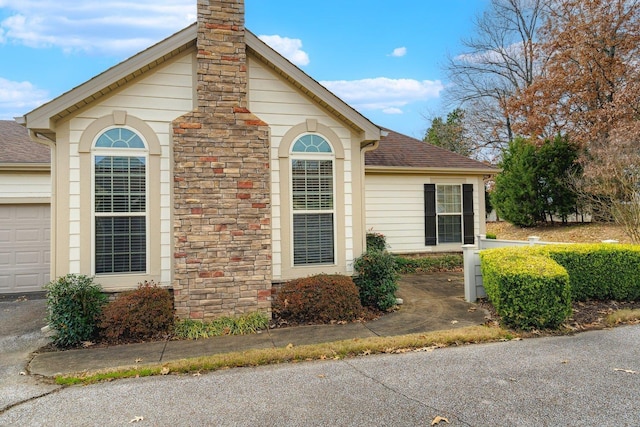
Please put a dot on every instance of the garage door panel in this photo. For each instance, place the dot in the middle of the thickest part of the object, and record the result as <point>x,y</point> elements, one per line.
<point>29,258</point>
<point>29,280</point>
<point>24,247</point>
<point>29,236</point>
<point>5,285</point>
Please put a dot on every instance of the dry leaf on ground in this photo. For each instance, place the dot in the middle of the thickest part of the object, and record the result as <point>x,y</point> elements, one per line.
<point>439,419</point>
<point>628,371</point>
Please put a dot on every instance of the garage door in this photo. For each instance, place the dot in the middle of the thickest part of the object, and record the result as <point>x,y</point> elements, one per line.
<point>24,247</point>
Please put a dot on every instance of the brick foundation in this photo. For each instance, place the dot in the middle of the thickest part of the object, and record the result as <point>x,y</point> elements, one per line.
<point>222,206</point>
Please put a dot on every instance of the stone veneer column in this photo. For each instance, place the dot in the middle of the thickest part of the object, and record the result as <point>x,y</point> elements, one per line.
<point>222,207</point>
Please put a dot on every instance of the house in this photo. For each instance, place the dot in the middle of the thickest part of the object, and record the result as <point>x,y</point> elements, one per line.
<point>210,164</point>
<point>421,197</point>
<point>25,193</point>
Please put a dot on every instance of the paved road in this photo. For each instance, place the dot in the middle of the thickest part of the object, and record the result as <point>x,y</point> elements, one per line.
<point>560,381</point>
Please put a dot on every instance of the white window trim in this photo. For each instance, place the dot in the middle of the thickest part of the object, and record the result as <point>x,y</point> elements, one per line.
<point>119,152</point>
<point>319,157</point>
<point>460,214</point>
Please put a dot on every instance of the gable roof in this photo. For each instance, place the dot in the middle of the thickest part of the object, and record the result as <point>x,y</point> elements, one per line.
<point>17,148</point>
<point>42,120</point>
<point>401,152</point>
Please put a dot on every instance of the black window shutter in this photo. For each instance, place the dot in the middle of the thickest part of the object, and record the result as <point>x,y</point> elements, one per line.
<point>430,215</point>
<point>467,213</point>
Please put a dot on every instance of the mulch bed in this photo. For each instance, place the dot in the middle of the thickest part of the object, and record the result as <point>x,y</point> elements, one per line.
<point>588,315</point>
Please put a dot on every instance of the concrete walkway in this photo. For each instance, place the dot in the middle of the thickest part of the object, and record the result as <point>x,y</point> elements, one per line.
<point>431,302</point>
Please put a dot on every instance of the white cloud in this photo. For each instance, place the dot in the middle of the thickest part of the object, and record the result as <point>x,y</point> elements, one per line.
<point>289,48</point>
<point>514,51</point>
<point>384,94</point>
<point>16,98</point>
<point>399,52</point>
<point>96,27</point>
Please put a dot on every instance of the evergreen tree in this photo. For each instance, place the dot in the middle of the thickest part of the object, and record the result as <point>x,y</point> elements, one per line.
<point>450,134</point>
<point>533,181</point>
<point>516,195</point>
<point>558,159</point>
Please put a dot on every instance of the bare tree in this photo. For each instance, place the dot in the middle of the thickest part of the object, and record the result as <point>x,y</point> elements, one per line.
<point>610,184</point>
<point>499,60</point>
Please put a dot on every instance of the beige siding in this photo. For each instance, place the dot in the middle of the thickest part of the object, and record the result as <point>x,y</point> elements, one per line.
<point>157,99</point>
<point>395,207</point>
<point>278,103</point>
<point>25,185</point>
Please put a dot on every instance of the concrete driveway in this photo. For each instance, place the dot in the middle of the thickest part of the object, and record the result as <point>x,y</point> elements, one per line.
<point>21,318</point>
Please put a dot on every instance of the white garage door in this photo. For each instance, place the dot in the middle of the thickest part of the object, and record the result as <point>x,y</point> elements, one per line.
<point>24,247</point>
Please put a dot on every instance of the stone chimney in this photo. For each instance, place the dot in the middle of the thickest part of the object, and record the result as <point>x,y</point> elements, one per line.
<point>222,206</point>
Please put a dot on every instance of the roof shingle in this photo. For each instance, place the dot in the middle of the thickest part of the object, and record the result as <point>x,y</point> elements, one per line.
<point>17,147</point>
<point>398,150</point>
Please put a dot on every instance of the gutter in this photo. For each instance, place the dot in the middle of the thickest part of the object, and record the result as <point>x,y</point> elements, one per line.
<point>430,170</point>
<point>25,167</point>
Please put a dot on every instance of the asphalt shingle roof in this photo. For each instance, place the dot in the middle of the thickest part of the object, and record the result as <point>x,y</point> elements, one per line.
<point>17,147</point>
<point>398,150</point>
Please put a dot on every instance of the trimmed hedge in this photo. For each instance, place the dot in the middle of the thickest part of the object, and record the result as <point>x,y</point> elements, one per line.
<point>528,291</point>
<point>318,299</point>
<point>599,271</point>
<point>145,313</point>
<point>429,264</point>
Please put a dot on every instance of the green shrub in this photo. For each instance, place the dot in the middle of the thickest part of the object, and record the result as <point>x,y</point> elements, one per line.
<point>74,304</point>
<point>491,236</point>
<point>145,313</point>
<point>599,271</point>
<point>318,299</point>
<point>376,241</point>
<point>528,291</point>
<point>249,323</point>
<point>377,279</point>
<point>429,264</point>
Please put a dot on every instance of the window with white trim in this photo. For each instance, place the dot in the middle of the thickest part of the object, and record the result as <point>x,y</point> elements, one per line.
<point>313,205</point>
<point>449,213</point>
<point>120,202</point>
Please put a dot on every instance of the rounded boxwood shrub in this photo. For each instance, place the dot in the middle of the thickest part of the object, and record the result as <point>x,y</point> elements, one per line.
<point>318,299</point>
<point>74,305</point>
<point>145,313</point>
<point>377,279</point>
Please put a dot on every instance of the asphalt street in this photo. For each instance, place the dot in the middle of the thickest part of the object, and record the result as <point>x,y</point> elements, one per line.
<point>590,379</point>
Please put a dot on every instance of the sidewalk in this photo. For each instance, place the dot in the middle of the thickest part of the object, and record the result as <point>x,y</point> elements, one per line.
<point>431,302</point>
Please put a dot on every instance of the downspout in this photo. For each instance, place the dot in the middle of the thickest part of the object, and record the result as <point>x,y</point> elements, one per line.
<point>370,146</point>
<point>41,139</point>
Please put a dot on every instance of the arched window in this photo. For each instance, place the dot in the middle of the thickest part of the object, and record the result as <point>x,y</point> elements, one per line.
<point>313,201</point>
<point>120,202</point>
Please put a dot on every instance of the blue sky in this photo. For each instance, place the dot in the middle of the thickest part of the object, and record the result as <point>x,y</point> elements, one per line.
<point>382,57</point>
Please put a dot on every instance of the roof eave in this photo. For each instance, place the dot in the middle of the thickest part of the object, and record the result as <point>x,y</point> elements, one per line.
<point>43,118</point>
